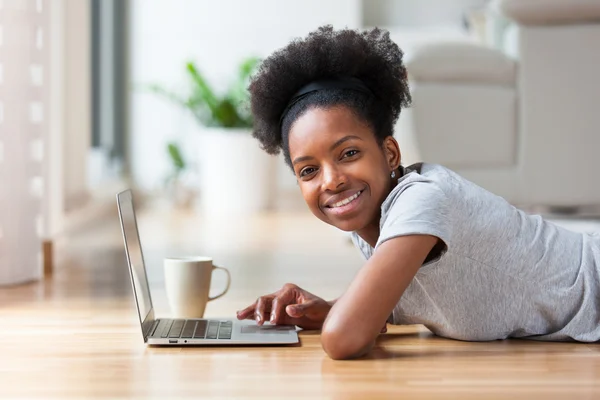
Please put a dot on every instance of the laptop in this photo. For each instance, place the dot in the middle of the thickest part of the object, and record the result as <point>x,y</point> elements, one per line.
<point>184,332</point>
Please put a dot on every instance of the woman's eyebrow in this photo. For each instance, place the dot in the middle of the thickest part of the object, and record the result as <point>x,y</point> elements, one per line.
<point>344,139</point>
<point>300,159</point>
<point>333,146</point>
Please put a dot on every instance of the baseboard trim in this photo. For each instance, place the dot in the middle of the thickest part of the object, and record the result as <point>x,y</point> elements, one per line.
<point>48,257</point>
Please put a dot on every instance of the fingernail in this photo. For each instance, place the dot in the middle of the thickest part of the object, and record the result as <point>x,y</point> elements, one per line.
<point>272,317</point>
<point>258,318</point>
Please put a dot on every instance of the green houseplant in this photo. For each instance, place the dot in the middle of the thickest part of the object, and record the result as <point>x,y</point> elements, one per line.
<point>224,146</point>
<point>211,110</point>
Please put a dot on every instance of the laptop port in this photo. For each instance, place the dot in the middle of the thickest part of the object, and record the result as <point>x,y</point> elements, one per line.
<point>173,341</point>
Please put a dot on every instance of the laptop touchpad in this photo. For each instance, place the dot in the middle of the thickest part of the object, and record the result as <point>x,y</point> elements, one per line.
<point>268,329</point>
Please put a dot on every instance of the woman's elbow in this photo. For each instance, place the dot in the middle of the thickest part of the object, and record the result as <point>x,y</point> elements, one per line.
<point>342,345</point>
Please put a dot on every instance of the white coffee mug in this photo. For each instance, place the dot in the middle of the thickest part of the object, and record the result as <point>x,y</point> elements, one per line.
<point>187,282</point>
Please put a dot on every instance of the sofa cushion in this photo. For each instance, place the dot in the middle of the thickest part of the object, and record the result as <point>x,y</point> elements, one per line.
<point>465,126</point>
<point>461,62</point>
<point>549,12</point>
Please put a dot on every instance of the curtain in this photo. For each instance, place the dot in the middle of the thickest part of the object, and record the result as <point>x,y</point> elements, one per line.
<point>24,130</point>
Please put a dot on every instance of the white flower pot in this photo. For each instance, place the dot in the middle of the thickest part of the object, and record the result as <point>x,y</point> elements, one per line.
<point>236,176</point>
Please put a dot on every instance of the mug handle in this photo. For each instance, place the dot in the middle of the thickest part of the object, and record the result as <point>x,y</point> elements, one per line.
<point>226,287</point>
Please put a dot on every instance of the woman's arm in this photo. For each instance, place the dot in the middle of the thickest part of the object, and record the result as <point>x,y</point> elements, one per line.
<point>356,318</point>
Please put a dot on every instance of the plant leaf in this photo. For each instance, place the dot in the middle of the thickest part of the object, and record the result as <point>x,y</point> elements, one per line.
<point>176,157</point>
<point>238,92</point>
<point>202,90</point>
<point>248,66</point>
<point>166,93</point>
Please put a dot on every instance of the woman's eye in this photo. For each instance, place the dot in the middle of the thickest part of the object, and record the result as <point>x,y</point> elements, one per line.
<point>350,153</point>
<point>306,171</point>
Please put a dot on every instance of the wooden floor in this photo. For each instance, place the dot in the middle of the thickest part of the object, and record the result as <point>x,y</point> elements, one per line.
<point>76,335</point>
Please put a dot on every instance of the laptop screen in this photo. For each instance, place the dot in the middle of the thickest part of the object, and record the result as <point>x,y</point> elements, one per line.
<point>133,250</point>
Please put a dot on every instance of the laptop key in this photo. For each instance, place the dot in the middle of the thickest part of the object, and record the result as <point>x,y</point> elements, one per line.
<point>225,329</point>
<point>213,330</point>
<point>188,329</point>
<point>176,328</point>
<point>224,333</point>
<point>158,330</point>
<point>166,328</point>
<point>200,329</point>
<point>153,328</point>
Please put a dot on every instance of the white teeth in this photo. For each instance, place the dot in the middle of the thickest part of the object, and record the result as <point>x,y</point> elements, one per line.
<point>346,201</point>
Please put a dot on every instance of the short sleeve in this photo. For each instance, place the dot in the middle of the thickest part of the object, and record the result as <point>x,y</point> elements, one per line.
<point>417,206</point>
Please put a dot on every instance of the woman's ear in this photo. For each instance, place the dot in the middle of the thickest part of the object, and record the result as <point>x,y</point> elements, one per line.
<point>392,152</point>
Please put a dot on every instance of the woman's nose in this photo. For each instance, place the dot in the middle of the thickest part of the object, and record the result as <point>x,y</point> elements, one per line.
<point>333,178</point>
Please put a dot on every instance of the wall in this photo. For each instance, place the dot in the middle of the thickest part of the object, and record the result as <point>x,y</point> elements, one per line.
<point>77,99</point>
<point>218,35</point>
<point>416,13</point>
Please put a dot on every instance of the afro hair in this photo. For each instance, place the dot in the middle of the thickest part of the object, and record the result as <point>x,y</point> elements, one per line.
<point>370,56</point>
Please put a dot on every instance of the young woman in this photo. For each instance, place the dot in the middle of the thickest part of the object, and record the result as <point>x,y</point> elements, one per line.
<point>440,250</point>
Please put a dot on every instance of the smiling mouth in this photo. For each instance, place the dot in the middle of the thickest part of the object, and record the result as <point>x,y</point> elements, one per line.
<point>347,200</point>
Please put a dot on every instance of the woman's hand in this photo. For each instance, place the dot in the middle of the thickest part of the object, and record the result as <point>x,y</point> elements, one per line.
<point>290,305</point>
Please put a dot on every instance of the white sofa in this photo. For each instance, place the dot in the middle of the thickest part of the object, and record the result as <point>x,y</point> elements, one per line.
<point>521,119</point>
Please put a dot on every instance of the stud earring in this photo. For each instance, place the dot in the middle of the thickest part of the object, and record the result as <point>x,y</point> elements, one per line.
<point>393,174</point>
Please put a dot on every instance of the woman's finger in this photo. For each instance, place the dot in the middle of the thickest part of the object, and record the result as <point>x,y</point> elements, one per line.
<point>297,310</point>
<point>286,296</point>
<point>247,313</point>
<point>275,312</point>
<point>263,308</point>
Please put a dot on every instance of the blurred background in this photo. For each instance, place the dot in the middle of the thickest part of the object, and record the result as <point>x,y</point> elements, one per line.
<point>100,95</point>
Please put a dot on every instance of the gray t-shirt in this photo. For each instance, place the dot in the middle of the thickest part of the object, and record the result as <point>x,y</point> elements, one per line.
<point>503,273</point>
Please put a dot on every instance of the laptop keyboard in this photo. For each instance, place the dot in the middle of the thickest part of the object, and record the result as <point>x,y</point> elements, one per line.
<point>193,328</point>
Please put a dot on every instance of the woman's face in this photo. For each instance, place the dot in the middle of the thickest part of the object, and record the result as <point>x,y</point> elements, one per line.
<point>343,173</point>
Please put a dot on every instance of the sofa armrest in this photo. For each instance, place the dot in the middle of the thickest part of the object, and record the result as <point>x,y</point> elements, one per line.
<point>549,12</point>
<point>461,63</point>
